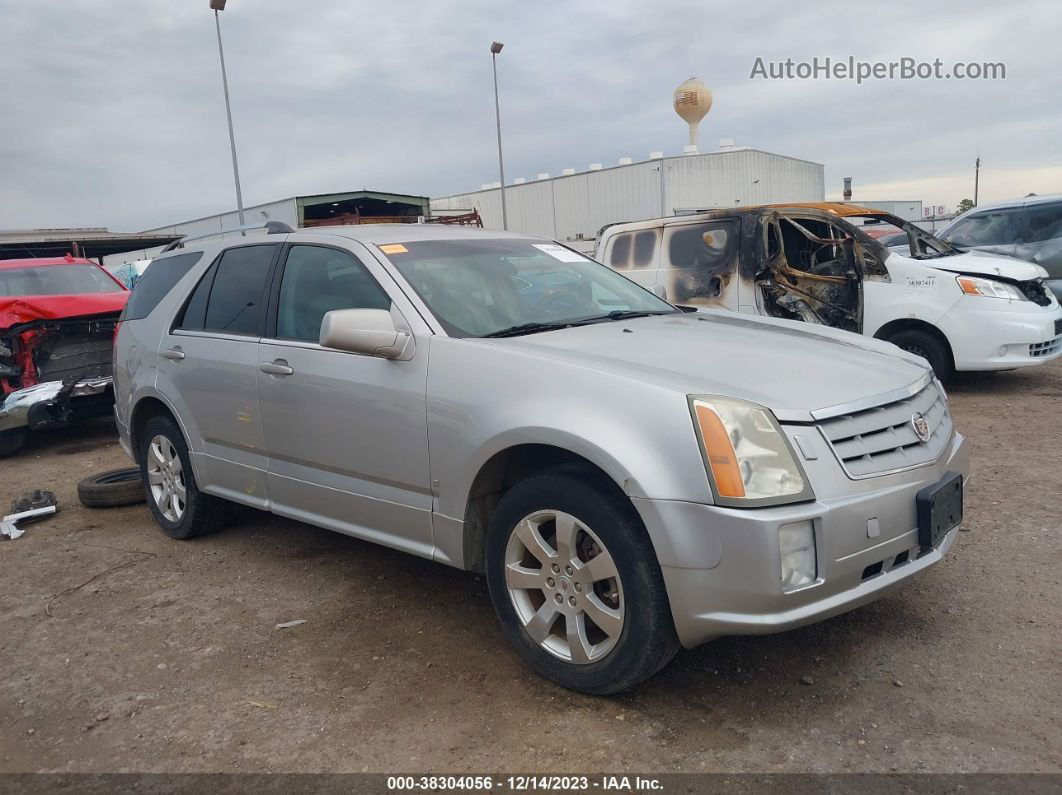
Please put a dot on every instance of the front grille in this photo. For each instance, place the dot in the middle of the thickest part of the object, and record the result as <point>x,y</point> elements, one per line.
<point>1036,291</point>
<point>1039,349</point>
<point>883,438</point>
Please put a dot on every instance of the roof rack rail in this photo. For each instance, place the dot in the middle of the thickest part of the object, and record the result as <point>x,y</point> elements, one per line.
<point>271,227</point>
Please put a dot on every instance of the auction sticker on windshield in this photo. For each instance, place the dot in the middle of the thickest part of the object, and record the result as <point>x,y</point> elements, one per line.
<point>560,252</point>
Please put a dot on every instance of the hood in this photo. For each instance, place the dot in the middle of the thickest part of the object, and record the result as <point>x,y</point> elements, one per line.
<point>983,263</point>
<point>790,367</point>
<point>15,310</point>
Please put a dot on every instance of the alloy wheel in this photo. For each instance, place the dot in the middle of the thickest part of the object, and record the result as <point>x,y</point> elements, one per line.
<point>565,587</point>
<point>166,478</point>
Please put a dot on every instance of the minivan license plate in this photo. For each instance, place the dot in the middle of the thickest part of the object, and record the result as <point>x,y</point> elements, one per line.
<point>939,509</point>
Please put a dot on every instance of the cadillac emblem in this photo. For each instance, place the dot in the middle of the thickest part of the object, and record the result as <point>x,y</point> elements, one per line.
<point>921,426</point>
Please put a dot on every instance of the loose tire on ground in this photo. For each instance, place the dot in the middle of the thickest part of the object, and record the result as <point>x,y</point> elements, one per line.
<point>169,484</point>
<point>929,347</point>
<point>112,488</point>
<point>644,640</point>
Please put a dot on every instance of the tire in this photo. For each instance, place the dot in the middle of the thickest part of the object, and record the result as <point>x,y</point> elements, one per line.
<point>929,347</point>
<point>601,659</point>
<point>165,468</point>
<point>13,440</point>
<point>112,488</point>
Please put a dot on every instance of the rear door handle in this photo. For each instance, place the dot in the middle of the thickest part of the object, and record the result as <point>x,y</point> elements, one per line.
<point>276,367</point>
<point>176,354</point>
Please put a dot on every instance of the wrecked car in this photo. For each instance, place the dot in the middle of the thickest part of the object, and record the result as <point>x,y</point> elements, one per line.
<point>57,322</point>
<point>829,264</point>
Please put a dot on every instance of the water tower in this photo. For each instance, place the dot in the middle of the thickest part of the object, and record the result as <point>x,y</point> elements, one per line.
<point>693,100</point>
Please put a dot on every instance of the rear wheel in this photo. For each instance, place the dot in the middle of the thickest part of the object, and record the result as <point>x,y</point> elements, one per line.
<point>179,507</point>
<point>929,347</point>
<point>575,582</point>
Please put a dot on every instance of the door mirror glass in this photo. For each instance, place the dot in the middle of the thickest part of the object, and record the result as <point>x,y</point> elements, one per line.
<point>370,332</point>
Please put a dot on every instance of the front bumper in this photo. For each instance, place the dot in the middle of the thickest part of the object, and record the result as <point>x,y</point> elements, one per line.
<point>991,334</point>
<point>53,403</point>
<point>722,567</point>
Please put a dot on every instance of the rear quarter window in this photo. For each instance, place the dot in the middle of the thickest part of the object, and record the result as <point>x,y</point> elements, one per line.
<point>156,283</point>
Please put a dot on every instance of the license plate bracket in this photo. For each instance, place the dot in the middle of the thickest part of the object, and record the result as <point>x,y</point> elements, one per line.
<point>939,509</point>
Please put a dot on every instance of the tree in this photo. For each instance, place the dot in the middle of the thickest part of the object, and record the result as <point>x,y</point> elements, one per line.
<point>964,205</point>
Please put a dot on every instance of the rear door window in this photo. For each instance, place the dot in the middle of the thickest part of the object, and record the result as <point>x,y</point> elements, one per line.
<point>156,283</point>
<point>634,249</point>
<point>318,280</point>
<point>1043,222</point>
<point>620,255</point>
<point>229,298</point>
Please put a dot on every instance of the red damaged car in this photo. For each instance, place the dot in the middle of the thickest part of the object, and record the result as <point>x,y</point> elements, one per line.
<point>57,322</point>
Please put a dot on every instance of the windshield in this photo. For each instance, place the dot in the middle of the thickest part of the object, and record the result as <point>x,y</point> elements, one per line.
<point>503,287</point>
<point>56,280</point>
<point>885,229</point>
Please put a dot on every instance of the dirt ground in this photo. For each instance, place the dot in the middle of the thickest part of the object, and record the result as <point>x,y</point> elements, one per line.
<point>168,660</point>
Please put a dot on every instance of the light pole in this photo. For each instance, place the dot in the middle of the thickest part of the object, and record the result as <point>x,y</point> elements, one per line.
<point>495,48</point>
<point>219,5</point>
<point>977,177</point>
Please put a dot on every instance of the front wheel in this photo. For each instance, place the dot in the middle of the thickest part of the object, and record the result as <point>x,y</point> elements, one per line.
<point>929,347</point>
<point>575,582</point>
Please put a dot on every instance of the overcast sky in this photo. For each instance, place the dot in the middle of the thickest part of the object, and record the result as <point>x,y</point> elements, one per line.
<point>111,112</point>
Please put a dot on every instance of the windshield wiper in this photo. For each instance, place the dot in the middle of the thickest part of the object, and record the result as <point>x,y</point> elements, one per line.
<point>527,328</point>
<point>626,314</point>
<point>534,328</point>
<point>623,314</point>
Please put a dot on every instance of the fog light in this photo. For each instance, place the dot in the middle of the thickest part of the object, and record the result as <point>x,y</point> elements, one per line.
<point>1002,351</point>
<point>796,545</point>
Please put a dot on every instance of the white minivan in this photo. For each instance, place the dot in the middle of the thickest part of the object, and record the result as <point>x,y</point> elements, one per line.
<point>823,263</point>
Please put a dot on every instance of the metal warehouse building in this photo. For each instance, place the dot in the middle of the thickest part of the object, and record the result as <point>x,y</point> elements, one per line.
<point>573,207</point>
<point>360,206</point>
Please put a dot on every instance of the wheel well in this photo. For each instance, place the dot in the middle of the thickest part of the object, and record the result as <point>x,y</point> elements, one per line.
<point>499,474</point>
<point>145,410</point>
<point>894,327</point>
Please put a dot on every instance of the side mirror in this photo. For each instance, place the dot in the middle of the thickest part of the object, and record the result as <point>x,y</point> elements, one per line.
<point>370,332</point>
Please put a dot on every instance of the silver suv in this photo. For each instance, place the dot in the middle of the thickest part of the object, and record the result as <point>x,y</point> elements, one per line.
<point>631,476</point>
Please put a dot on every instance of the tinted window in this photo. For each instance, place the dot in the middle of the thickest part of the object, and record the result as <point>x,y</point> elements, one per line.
<point>195,310</point>
<point>990,228</point>
<point>157,281</point>
<point>1044,222</point>
<point>56,280</point>
<point>620,255</point>
<point>229,297</point>
<point>318,280</point>
<point>701,245</point>
<point>644,248</point>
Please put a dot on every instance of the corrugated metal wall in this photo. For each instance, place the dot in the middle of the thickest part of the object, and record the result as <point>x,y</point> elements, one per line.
<point>568,207</point>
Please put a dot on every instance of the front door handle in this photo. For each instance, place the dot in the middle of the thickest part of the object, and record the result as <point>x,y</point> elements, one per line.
<point>175,354</point>
<point>276,367</point>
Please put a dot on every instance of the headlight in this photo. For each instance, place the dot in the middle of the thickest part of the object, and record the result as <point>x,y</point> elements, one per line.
<point>989,288</point>
<point>748,458</point>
